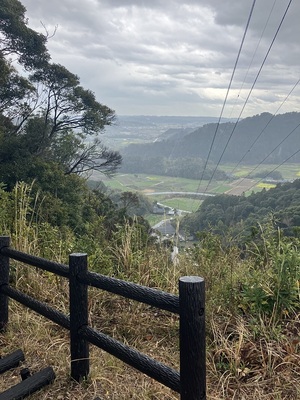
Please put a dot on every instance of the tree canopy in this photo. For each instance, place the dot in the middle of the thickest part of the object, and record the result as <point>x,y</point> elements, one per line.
<point>240,215</point>
<point>17,38</point>
<point>45,114</point>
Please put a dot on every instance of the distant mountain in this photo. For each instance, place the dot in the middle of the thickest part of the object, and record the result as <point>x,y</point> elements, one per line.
<point>253,139</point>
<point>132,129</point>
<point>181,121</point>
<point>174,134</point>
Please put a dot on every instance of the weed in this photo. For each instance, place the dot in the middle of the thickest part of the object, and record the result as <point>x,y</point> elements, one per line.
<point>252,310</point>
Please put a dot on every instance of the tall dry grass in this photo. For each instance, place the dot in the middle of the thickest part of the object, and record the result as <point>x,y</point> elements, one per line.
<point>250,355</point>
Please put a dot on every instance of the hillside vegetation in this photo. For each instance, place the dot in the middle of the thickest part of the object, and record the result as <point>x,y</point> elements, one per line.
<point>185,154</point>
<point>266,130</point>
<point>239,215</point>
<point>252,307</point>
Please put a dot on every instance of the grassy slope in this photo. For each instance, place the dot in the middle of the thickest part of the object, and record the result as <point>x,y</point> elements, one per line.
<point>248,357</point>
<point>245,359</point>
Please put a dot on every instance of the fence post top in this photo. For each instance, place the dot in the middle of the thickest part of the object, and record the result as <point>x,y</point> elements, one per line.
<point>191,279</point>
<point>78,255</point>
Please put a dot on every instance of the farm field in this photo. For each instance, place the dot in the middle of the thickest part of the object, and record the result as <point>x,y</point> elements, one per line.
<point>180,203</point>
<point>288,171</point>
<point>148,184</point>
<point>169,190</point>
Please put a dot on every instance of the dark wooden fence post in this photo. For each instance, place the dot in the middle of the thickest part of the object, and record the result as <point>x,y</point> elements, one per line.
<point>78,318</point>
<point>192,338</point>
<point>4,280</point>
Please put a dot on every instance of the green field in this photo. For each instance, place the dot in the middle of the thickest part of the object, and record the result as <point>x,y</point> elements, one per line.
<point>147,184</point>
<point>180,203</point>
<point>152,183</point>
<point>288,171</point>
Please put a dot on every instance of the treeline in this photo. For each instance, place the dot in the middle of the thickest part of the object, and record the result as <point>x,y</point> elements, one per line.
<point>240,216</point>
<point>190,168</point>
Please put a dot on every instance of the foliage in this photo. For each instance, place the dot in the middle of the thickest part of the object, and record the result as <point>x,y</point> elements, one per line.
<point>133,203</point>
<point>266,174</point>
<point>260,282</point>
<point>239,215</point>
<point>250,346</point>
<point>17,38</point>
<point>219,262</point>
<point>184,167</point>
<point>272,287</point>
<point>13,90</point>
<point>127,247</point>
<point>251,270</point>
<point>46,116</point>
<point>6,210</point>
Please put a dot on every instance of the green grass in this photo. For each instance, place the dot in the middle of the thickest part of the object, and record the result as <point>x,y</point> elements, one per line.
<point>147,183</point>
<point>181,203</point>
<point>153,183</point>
<point>221,188</point>
<point>288,171</point>
<point>263,185</point>
<point>154,219</point>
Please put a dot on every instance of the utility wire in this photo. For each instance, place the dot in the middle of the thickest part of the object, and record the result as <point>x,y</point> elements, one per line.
<point>260,134</point>
<point>227,93</point>
<point>283,162</point>
<point>275,148</point>
<point>246,101</point>
<point>253,56</point>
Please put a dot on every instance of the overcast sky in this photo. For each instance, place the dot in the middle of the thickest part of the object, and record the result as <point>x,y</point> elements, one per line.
<point>174,57</point>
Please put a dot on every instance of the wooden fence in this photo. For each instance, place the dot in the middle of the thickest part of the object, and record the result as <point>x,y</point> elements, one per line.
<point>190,305</point>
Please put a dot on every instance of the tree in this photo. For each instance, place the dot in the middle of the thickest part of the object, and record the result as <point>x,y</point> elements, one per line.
<point>69,105</point>
<point>17,38</point>
<point>48,114</point>
<point>69,116</point>
<point>129,200</point>
<point>15,92</point>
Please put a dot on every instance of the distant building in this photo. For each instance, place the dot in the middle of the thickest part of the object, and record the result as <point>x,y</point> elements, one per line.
<point>158,209</point>
<point>165,228</point>
<point>161,209</point>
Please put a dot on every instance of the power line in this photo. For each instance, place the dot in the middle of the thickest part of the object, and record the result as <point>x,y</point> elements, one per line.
<point>228,89</point>
<point>269,172</point>
<point>279,144</point>
<point>246,101</point>
<point>260,134</point>
<point>254,54</point>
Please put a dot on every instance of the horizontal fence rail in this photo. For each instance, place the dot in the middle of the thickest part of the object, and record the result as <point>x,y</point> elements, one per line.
<point>190,305</point>
<point>41,308</point>
<point>142,294</point>
<point>156,370</point>
<point>42,263</point>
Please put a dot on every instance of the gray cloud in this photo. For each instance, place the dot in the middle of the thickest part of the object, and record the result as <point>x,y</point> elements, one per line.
<point>172,57</point>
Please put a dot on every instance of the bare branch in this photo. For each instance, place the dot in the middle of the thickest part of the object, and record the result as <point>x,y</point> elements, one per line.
<point>48,36</point>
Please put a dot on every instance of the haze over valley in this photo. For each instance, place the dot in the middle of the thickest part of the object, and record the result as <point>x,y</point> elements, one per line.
<point>201,149</point>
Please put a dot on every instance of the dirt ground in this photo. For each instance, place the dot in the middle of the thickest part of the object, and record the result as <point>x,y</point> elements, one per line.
<point>241,186</point>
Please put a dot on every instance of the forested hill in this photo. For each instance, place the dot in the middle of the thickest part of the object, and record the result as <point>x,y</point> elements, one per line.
<point>239,214</point>
<point>253,137</point>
